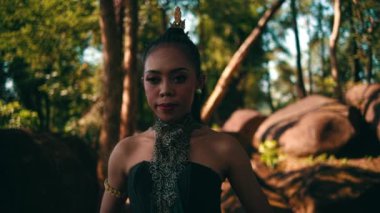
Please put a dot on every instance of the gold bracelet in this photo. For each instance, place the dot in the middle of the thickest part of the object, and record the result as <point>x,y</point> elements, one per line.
<point>108,188</point>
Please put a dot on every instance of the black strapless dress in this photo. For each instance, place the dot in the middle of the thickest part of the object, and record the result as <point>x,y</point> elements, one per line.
<point>199,189</point>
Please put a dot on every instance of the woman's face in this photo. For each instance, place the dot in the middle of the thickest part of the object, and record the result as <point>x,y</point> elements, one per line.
<point>169,82</point>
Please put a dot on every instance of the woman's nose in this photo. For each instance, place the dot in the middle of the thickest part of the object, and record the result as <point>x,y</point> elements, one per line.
<point>166,89</point>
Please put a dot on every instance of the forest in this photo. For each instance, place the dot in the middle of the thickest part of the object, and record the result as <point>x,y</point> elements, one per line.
<point>71,70</point>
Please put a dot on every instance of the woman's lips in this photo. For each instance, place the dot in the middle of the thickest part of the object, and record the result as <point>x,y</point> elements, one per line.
<point>167,106</point>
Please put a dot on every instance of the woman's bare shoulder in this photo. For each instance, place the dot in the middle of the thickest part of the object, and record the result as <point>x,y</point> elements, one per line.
<point>219,143</point>
<point>131,143</point>
<point>214,149</point>
<point>220,140</point>
<point>133,149</point>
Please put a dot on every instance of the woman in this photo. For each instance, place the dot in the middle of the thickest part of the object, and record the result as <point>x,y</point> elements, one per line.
<point>178,164</point>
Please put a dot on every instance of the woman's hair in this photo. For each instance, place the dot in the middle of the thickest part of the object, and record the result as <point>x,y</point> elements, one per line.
<point>178,38</point>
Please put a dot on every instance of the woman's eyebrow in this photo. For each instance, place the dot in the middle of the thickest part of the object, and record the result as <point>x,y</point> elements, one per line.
<point>179,69</point>
<point>175,70</point>
<point>152,71</point>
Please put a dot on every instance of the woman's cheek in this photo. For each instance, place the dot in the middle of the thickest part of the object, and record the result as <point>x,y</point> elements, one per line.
<point>150,98</point>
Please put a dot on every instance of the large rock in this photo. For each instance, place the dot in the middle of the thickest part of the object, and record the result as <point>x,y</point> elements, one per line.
<point>367,99</point>
<point>28,177</point>
<point>46,173</point>
<point>244,121</point>
<point>310,126</point>
<point>243,124</point>
<point>333,185</point>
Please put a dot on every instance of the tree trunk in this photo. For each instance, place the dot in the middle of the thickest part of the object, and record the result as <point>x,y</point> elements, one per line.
<point>333,40</point>
<point>355,65</point>
<point>112,83</point>
<point>356,62</point>
<point>39,108</point>
<point>309,59</point>
<point>47,111</point>
<point>300,87</point>
<point>269,88</point>
<point>369,51</point>
<point>321,37</point>
<point>222,85</point>
<point>129,102</point>
<point>369,64</point>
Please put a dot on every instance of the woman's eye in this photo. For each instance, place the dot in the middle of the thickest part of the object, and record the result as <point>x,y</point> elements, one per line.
<point>179,79</point>
<point>153,80</point>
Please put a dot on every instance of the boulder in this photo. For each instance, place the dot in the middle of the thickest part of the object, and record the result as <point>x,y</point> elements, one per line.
<point>47,173</point>
<point>28,177</point>
<point>317,132</point>
<point>310,126</point>
<point>366,97</point>
<point>243,124</point>
<point>245,121</point>
<point>333,185</point>
<point>230,202</point>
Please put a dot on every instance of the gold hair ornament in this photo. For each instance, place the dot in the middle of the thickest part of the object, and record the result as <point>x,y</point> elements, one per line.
<point>178,22</point>
<point>113,191</point>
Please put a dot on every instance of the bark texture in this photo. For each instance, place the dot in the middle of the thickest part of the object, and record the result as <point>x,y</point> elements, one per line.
<point>112,83</point>
<point>333,40</point>
<point>129,101</point>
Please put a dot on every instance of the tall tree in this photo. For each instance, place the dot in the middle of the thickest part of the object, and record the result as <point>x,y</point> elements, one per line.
<point>333,55</point>
<point>369,53</point>
<point>112,81</point>
<point>300,87</point>
<point>269,88</point>
<point>222,85</point>
<point>42,44</point>
<point>309,60</point>
<point>355,62</point>
<point>129,102</point>
<point>365,15</point>
<point>322,38</point>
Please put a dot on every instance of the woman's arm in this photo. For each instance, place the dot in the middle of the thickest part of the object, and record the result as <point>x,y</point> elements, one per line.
<point>113,197</point>
<point>243,180</point>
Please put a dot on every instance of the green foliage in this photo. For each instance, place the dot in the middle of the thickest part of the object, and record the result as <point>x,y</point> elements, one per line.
<point>221,32</point>
<point>88,126</point>
<point>283,87</point>
<point>325,85</point>
<point>269,153</point>
<point>13,115</point>
<point>41,46</point>
<point>325,158</point>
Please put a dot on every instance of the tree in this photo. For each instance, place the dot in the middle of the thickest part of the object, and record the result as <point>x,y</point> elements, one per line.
<point>221,87</point>
<point>366,16</point>
<point>321,35</point>
<point>354,47</point>
<point>370,31</point>
<point>333,40</point>
<point>130,95</point>
<point>112,81</point>
<point>309,71</point>
<point>300,88</point>
<point>41,49</point>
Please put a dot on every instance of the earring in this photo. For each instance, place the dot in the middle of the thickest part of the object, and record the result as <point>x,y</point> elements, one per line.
<point>198,91</point>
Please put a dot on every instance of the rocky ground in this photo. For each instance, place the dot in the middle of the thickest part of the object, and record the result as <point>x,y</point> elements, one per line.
<point>316,155</point>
